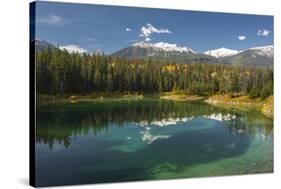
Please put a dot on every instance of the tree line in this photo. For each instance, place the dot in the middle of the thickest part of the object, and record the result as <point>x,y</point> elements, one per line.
<point>61,73</point>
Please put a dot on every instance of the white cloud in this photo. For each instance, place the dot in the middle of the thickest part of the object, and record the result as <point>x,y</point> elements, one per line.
<point>263,32</point>
<point>147,39</point>
<point>241,37</point>
<point>149,29</point>
<point>51,19</point>
<point>128,29</point>
<point>73,49</point>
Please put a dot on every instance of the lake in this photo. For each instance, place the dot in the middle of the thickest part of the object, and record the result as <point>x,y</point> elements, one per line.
<point>148,139</point>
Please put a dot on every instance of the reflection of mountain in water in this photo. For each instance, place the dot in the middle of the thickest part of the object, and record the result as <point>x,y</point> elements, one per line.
<point>173,121</point>
<point>59,123</point>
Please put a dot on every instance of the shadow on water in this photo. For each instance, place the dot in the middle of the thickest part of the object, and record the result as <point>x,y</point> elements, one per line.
<point>69,151</point>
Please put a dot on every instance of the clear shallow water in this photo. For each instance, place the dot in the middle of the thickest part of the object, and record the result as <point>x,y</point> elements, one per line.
<point>109,141</point>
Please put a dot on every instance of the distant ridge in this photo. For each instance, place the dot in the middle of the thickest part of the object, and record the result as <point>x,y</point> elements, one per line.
<point>255,56</point>
<point>221,52</point>
<point>164,51</point>
<point>41,44</point>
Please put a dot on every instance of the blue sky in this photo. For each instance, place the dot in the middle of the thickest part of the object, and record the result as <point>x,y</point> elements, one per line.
<point>87,27</point>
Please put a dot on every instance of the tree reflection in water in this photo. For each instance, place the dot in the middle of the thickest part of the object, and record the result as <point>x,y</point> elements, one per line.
<point>59,123</point>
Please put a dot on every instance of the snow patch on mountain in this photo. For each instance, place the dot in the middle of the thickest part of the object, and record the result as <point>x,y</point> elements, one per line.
<point>98,52</point>
<point>73,49</point>
<point>164,46</point>
<point>221,52</point>
<point>264,51</point>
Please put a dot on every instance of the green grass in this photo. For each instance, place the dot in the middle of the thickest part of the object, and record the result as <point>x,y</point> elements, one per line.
<point>243,102</point>
<point>180,97</point>
<point>268,107</point>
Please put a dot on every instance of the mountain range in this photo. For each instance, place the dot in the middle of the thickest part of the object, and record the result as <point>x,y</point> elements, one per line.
<point>221,52</point>
<point>164,51</point>
<point>256,56</point>
<point>41,44</point>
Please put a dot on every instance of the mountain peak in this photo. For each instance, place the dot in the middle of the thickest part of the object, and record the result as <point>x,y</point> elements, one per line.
<point>264,50</point>
<point>221,52</point>
<point>164,46</point>
<point>98,52</point>
<point>41,44</point>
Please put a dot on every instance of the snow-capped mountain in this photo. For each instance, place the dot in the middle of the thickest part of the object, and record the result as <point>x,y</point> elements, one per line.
<point>263,51</point>
<point>164,51</point>
<point>221,52</point>
<point>255,56</point>
<point>164,46</point>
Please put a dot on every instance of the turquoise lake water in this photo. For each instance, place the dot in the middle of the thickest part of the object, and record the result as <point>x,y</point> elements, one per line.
<point>129,140</point>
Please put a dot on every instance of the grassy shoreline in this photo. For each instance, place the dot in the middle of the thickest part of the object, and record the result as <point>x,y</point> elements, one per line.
<point>266,106</point>
<point>225,101</point>
<point>49,99</point>
<point>180,97</point>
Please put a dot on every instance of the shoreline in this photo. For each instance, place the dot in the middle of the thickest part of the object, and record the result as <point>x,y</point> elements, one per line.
<point>266,106</point>
<point>225,101</point>
<point>181,97</point>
